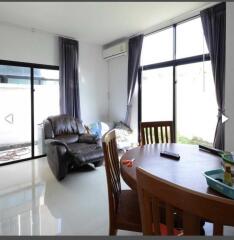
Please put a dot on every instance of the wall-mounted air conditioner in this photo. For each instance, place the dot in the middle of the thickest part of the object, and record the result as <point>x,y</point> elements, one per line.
<point>116,50</point>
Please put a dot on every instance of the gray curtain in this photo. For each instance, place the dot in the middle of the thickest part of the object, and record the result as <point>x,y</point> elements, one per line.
<point>134,56</point>
<point>69,77</point>
<point>214,26</point>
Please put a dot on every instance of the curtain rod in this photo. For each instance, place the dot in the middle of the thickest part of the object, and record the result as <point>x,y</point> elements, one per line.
<point>31,29</point>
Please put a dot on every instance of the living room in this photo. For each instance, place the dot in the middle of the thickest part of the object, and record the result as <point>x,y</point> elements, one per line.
<point>35,197</point>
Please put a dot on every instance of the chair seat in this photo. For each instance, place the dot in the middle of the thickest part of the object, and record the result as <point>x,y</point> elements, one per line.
<point>128,213</point>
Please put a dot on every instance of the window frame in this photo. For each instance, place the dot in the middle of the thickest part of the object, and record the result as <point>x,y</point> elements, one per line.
<point>172,63</point>
<point>32,66</point>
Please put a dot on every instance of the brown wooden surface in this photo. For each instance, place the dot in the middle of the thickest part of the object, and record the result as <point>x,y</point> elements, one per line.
<point>187,172</point>
<point>193,206</point>
<point>124,210</point>
<point>157,132</point>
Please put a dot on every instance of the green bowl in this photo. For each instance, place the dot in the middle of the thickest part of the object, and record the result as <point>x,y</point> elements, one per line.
<point>214,179</point>
<point>227,157</point>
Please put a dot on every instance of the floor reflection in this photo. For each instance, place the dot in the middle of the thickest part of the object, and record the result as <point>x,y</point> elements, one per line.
<point>33,202</point>
<point>23,209</point>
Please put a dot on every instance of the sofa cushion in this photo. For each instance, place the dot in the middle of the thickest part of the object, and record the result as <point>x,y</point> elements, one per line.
<point>88,138</point>
<point>86,153</point>
<point>64,124</point>
<point>68,138</point>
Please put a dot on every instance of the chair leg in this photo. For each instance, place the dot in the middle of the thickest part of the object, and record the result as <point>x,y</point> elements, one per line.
<point>112,231</point>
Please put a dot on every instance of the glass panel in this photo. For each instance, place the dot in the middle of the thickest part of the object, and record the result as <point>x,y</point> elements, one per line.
<point>15,113</point>
<point>46,102</point>
<point>157,47</point>
<point>157,94</point>
<point>190,39</point>
<point>196,104</point>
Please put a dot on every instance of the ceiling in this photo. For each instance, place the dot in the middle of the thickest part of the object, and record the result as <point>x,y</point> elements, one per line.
<point>94,22</point>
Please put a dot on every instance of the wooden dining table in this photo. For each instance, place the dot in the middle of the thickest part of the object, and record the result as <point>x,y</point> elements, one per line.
<point>186,172</point>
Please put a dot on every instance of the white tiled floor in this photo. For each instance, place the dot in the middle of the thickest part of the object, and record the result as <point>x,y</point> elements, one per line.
<point>33,202</point>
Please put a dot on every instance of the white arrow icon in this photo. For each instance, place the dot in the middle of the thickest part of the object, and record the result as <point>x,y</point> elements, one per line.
<point>224,118</point>
<point>10,118</point>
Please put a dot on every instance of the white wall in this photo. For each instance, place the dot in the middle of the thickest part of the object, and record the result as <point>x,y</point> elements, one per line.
<point>93,84</point>
<point>118,71</point>
<point>229,100</point>
<point>19,44</point>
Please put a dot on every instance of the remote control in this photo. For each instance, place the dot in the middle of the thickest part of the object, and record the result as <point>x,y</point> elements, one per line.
<point>210,149</point>
<point>171,155</point>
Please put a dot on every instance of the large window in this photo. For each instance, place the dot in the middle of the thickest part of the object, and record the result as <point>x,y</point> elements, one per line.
<point>157,92</point>
<point>190,39</point>
<point>158,47</point>
<point>29,93</point>
<point>176,82</point>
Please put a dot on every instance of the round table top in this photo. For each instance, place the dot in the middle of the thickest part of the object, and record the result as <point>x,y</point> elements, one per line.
<point>187,172</point>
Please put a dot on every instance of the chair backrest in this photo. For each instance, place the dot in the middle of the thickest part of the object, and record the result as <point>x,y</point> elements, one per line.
<point>157,132</point>
<point>193,207</point>
<point>112,171</point>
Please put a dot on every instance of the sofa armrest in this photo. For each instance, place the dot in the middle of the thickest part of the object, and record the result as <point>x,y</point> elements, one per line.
<point>88,138</point>
<point>54,142</point>
<point>58,157</point>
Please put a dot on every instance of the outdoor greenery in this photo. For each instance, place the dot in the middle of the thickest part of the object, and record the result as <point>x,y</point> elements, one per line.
<point>194,140</point>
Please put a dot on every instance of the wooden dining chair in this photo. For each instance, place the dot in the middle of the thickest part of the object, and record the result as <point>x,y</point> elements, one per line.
<point>124,212</point>
<point>193,207</point>
<point>157,132</point>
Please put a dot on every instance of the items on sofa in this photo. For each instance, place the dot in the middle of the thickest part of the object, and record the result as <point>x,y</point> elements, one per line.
<point>68,145</point>
<point>125,136</point>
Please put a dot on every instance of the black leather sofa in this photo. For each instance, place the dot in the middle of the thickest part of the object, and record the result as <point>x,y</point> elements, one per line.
<point>68,146</point>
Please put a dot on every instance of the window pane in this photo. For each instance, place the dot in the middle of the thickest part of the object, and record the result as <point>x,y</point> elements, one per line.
<point>196,104</point>
<point>46,102</point>
<point>157,94</point>
<point>190,39</point>
<point>157,47</point>
<point>15,113</point>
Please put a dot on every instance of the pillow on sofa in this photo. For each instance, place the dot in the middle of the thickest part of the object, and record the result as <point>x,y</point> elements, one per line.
<point>98,129</point>
<point>123,126</point>
<point>94,129</point>
<point>124,136</point>
<point>124,139</point>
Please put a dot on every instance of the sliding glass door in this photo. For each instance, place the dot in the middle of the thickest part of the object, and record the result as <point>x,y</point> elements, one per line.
<point>46,103</point>
<point>15,113</point>
<point>196,104</point>
<point>29,93</point>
